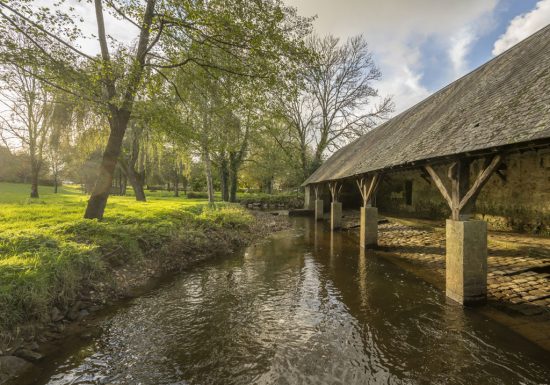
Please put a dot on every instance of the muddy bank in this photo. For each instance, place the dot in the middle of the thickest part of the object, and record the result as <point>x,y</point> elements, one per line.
<point>35,342</point>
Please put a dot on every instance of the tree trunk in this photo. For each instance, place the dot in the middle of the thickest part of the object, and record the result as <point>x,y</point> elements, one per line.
<point>134,179</point>
<point>100,193</point>
<point>208,171</point>
<point>55,183</point>
<point>176,184</point>
<point>268,186</point>
<point>34,181</point>
<point>224,180</point>
<point>233,177</point>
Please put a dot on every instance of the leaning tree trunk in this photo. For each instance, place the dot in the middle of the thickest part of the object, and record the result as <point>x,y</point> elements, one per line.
<point>100,193</point>
<point>134,179</point>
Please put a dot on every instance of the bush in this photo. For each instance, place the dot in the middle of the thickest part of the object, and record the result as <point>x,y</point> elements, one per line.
<point>226,215</point>
<point>289,200</point>
<point>197,195</point>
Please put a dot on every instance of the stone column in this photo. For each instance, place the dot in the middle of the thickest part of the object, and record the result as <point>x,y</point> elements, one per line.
<point>319,209</point>
<point>368,232</point>
<point>466,261</point>
<point>335,215</point>
<point>309,202</point>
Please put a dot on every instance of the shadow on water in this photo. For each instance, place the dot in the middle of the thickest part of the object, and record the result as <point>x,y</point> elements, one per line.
<point>305,307</point>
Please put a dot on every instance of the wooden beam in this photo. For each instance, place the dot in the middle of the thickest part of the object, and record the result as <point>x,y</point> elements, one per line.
<point>366,189</point>
<point>362,183</point>
<point>316,188</point>
<point>482,178</point>
<point>372,188</point>
<point>335,188</point>
<point>439,184</point>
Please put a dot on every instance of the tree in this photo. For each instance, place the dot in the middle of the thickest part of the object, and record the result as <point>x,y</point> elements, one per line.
<point>167,32</point>
<point>334,100</point>
<point>25,117</point>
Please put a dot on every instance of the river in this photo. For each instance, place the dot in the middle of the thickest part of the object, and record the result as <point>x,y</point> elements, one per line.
<point>302,307</point>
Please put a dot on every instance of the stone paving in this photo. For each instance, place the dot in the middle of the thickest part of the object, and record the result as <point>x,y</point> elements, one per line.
<point>518,264</point>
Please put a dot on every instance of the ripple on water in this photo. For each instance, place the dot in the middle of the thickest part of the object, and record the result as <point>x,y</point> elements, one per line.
<point>301,309</point>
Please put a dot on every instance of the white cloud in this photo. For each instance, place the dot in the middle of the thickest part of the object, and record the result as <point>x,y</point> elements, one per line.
<point>396,29</point>
<point>460,44</point>
<point>523,26</point>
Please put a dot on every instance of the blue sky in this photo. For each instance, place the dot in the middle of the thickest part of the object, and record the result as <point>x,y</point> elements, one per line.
<point>423,45</point>
<point>480,51</point>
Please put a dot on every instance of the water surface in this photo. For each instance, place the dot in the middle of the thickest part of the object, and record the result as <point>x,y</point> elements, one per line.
<point>305,307</point>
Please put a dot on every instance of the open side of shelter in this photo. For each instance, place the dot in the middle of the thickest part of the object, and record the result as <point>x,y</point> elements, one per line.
<point>499,109</point>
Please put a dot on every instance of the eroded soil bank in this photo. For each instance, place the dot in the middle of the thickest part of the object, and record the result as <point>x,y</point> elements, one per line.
<point>34,342</point>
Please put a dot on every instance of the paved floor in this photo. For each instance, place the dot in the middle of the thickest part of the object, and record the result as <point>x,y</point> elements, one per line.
<point>518,264</point>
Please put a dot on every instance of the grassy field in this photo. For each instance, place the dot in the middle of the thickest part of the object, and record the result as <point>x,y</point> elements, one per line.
<point>48,253</point>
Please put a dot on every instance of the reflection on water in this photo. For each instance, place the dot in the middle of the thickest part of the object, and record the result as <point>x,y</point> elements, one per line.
<point>305,307</point>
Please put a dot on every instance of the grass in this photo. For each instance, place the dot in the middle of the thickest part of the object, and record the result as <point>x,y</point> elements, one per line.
<point>48,253</point>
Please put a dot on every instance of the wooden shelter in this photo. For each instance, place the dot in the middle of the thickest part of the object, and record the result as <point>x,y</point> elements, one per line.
<point>499,109</point>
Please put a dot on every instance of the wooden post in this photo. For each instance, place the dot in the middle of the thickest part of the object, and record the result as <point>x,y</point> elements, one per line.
<point>335,206</point>
<point>319,209</point>
<point>466,240</point>
<point>368,232</point>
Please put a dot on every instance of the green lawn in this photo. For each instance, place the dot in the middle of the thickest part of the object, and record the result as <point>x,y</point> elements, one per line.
<point>48,252</point>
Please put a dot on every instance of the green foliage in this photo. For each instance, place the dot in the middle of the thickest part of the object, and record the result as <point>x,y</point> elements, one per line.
<point>197,195</point>
<point>48,253</point>
<point>226,215</point>
<point>289,200</point>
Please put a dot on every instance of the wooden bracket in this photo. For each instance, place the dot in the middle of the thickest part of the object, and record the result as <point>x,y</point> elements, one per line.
<point>335,188</point>
<point>368,188</point>
<point>316,189</point>
<point>461,195</point>
<point>480,181</point>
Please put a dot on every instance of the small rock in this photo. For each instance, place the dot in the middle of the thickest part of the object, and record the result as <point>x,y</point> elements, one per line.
<point>83,313</point>
<point>29,355</point>
<point>12,367</point>
<point>56,314</point>
<point>32,346</point>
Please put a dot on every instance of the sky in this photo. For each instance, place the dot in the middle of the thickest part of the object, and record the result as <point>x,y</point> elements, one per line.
<point>422,45</point>
<point>419,45</point>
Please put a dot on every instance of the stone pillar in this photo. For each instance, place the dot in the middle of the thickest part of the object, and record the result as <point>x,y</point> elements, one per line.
<point>309,202</point>
<point>368,232</point>
<point>319,212</point>
<point>335,215</point>
<point>466,261</point>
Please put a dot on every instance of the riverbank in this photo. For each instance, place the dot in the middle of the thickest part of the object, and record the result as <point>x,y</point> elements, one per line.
<point>56,268</point>
<point>518,279</point>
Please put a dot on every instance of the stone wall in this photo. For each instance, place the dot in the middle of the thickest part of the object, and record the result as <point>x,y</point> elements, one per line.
<point>517,201</point>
